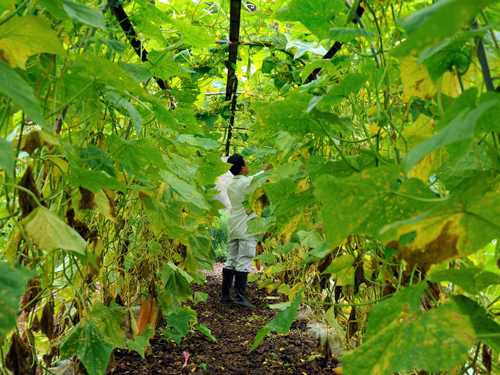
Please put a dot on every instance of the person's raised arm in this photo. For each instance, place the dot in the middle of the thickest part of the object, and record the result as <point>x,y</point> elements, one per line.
<point>266,168</point>
<point>250,188</point>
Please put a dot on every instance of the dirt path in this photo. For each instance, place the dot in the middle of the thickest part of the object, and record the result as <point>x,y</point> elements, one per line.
<point>235,329</point>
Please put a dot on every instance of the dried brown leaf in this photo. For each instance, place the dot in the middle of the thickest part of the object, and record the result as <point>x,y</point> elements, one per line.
<point>26,201</point>
<point>31,142</point>
<point>70,217</point>
<point>487,352</point>
<point>47,321</point>
<point>17,357</point>
<point>47,358</point>
<point>60,322</point>
<point>388,290</point>
<point>29,299</point>
<point>111,364</point>
<point>359,274</point>
<point>88,200</point>
<point>79,368</point>
<point>35,324</point>
<point>82,229</point>
<point>150,358</point>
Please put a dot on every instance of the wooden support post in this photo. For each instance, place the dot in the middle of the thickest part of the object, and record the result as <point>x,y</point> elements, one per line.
<point>129,31</point>
<point>335,48</point>
<point>485,66</point>
<point>232,79</point>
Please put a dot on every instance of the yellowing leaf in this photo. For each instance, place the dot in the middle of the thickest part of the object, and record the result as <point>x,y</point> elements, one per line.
<point>425,167</point>
<point>258,200</point>
<point>285,231</point>
<point>459,226</point>
<point>412,136</point>
<point>270,288</point>
<point>67,40</point>
<point>421,130</point>
<point>10,249</point>
<point>284,288</point>
<point>36,139</point>
<point>105,206</point>
<point>305,152</point>
<point>101,139</point>
<point>61,167</point>
<point>93,339</point>
<point>295,289</point>
<point>22,37</point>
<point>49,232</point>
<point>98,248</point>
<point>302,185</point>
<point>417,82</point>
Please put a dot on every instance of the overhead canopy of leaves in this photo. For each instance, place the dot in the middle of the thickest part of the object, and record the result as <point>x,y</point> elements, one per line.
<point>382,135</point>
<point>192,35</point>
<point>162,66</point>
<point>345,34</point>
<point>315,15</point>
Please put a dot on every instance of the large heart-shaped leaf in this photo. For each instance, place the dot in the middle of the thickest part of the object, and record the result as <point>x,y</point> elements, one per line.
<point>49,232</point>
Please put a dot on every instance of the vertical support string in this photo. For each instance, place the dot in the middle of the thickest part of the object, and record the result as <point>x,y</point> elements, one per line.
<point>232,79</point>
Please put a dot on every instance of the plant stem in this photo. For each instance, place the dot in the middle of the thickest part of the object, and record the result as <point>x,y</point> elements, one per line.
<point>335,145</point>
<point>61,107</point>
<point>14,12</point>
<point>346,304</point>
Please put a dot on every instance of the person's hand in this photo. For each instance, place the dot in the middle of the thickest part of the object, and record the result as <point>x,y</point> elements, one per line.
<point>268,167</point>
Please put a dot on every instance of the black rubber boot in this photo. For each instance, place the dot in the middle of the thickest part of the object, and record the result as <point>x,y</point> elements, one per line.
<point>240,286</point>
<point>227,284</point>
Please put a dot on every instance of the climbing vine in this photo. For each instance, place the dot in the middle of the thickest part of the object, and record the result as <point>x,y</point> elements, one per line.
<point>381,213</point>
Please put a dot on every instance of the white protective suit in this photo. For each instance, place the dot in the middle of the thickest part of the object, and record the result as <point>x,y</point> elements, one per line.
<point>240,246</point>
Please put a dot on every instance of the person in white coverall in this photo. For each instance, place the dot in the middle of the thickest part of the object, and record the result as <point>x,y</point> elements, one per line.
<point>240,245</point>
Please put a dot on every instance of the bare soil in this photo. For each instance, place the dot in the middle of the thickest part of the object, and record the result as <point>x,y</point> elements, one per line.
<point>235,329</point>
